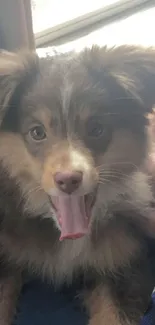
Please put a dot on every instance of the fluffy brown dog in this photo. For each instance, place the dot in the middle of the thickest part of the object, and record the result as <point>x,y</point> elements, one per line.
<point>74,197</point>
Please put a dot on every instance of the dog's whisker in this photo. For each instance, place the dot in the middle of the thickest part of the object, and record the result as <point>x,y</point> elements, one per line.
<point>116,163</point>
<point>114,173</point>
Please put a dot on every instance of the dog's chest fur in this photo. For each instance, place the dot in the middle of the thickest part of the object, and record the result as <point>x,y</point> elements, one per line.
<point>60,261</point>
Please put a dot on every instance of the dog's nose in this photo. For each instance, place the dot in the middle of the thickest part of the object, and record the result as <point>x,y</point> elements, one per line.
<point>68,182</point>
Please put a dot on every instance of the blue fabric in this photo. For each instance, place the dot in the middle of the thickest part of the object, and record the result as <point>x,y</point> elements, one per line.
<point>149,317</point>
<point>39,304</point>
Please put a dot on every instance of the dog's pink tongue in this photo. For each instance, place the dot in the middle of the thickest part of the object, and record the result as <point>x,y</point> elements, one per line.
<point>72,216</point>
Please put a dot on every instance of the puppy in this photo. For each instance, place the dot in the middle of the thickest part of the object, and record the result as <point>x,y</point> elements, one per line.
<point>75,197</point>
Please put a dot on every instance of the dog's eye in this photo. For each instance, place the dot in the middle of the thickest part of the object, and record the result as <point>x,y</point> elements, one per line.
<point>38,133</point>
<point>95,128</point>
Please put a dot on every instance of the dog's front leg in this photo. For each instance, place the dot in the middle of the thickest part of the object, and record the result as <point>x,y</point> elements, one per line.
<point>10,287</point>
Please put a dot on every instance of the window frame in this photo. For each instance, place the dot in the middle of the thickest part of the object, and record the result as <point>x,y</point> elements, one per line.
<point>83,25</point>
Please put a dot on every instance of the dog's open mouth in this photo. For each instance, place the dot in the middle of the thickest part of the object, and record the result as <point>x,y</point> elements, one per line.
<point>73,213</point>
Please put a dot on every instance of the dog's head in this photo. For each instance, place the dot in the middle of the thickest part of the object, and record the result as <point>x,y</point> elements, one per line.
<point>73,130</point>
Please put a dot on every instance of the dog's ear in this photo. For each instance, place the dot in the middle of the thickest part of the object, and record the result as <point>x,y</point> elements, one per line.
<point>130,70</point>
<point>16,71</point>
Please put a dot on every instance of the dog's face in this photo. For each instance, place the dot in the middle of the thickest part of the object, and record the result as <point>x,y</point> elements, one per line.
<point>73,131</point>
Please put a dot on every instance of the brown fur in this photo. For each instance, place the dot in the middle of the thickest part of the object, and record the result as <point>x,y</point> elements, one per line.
<point>102,308</point>
<point>67,94</point>
<point>9,290</point>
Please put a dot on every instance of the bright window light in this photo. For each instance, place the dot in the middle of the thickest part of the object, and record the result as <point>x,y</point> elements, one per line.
<point>137,29</point>
<point>49,13</point>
